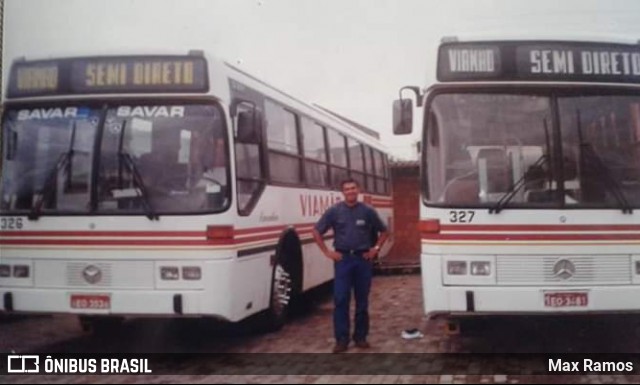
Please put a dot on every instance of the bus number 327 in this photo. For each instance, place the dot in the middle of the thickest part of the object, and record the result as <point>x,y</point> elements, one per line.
<point>461,216</point>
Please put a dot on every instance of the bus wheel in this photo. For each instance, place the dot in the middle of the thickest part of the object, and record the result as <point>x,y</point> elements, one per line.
<point>100,325</point>
<point>281,286</point>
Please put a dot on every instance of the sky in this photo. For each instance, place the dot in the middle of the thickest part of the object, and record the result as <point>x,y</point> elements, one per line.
<point>350,56</point>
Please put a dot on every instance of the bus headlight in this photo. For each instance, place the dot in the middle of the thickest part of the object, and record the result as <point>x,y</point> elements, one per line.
<point>480,268</point>
<point>191,273</point>
<point>457,267</point>
<point>21,271</point>
<point>5,271</point>
<point>169,273</point>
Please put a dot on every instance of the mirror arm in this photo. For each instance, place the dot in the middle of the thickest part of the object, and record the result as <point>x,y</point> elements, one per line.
<point>416,91</point>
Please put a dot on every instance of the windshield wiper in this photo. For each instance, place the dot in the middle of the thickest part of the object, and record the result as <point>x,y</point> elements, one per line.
<point>52,176</point>
<point>137,178</point>
<point>608,181</point>
<point>49,183</point>
<point>508,196</point>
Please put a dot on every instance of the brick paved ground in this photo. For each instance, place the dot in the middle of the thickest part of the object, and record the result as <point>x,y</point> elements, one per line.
<point>396,305</point>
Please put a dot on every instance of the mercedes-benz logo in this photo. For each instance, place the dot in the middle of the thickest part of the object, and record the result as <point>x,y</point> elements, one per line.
<point>564,269</point>
<point>92,274</point>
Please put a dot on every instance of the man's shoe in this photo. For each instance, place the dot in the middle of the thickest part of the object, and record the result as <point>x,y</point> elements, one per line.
<point>362,345</point>
<point>340,347</point>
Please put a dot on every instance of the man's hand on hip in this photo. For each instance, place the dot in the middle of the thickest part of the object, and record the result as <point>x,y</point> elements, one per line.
<point>332,254</point>
<point>371,254</point>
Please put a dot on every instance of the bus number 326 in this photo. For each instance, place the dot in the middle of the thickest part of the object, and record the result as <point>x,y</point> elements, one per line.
<point>10,223</point>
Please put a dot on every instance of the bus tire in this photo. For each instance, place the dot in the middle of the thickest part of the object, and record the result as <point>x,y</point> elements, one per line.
<point>279,300</point>
<point>285,282</point>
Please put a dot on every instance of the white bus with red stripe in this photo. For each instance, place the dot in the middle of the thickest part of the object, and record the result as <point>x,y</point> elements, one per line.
<point>168,185</point>
<point>530,177</point>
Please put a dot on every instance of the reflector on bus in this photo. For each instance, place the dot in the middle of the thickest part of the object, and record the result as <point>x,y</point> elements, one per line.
<point>219,232</point>
<point>430,226</point>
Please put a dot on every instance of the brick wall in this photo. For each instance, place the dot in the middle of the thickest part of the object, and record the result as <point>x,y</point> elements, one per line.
<point>406,195</point>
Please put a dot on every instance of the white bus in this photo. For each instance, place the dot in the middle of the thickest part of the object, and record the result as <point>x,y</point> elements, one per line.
<point>168,185</point>
<point>530,178</point>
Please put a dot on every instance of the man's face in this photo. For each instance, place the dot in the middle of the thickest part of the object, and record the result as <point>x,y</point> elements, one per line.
<point>350,192</point>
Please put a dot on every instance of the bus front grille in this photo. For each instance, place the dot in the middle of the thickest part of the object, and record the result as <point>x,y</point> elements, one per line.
<point>94,274</point>
<point>566,270</point>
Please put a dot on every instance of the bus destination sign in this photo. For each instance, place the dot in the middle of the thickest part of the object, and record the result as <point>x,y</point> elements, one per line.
<point>141,74</point>
<point>539,61</point>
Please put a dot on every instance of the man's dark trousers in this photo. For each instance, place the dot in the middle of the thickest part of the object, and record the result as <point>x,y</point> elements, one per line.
<point>352,271</point>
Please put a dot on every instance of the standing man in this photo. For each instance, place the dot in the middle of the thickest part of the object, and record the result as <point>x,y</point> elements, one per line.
<point>355,226</point>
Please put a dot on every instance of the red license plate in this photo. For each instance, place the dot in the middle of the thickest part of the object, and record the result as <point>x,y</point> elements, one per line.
<point>566,299</point>
<point>85,301</point>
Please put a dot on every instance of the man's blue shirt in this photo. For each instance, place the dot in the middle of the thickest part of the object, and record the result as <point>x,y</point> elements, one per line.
<point>355,228</point>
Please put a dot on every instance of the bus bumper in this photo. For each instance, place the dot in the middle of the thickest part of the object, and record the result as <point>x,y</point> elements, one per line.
<point>485,299</point>
<point>508,300</point>
<point>136,288</point>
<point>111,302</point>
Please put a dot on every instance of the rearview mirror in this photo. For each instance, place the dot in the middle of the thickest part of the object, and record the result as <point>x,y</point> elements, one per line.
<point>402,116</point>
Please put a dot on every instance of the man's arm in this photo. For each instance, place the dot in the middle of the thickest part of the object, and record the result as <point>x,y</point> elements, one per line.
<point>320,228</point>
<point>373,252</point>
<point>331,254</point>
<point>381,240</point>
<point>380,228</point>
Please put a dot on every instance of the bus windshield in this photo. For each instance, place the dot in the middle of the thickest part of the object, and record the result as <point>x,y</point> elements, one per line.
<point>128,159</point>
<point>506,150</point>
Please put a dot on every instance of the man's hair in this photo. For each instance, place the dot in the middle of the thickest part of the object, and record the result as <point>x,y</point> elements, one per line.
<point>348,180</point>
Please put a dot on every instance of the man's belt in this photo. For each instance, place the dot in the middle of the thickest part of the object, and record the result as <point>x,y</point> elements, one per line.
<point>352,252</point>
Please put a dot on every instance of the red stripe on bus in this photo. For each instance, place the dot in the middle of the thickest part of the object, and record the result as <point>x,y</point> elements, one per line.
<point>164,234</point>
<point>134,242</point>
<point>529,237</point>
<point>558,228</point>
<point>254,230</point>
<point>133,234</point>
<point>130,242</point>
<point>256,238</point>
<point>265,237</point>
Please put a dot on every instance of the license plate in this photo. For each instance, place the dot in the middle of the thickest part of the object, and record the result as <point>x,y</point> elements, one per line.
<point>93,301</point>
<point>566,299</point>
